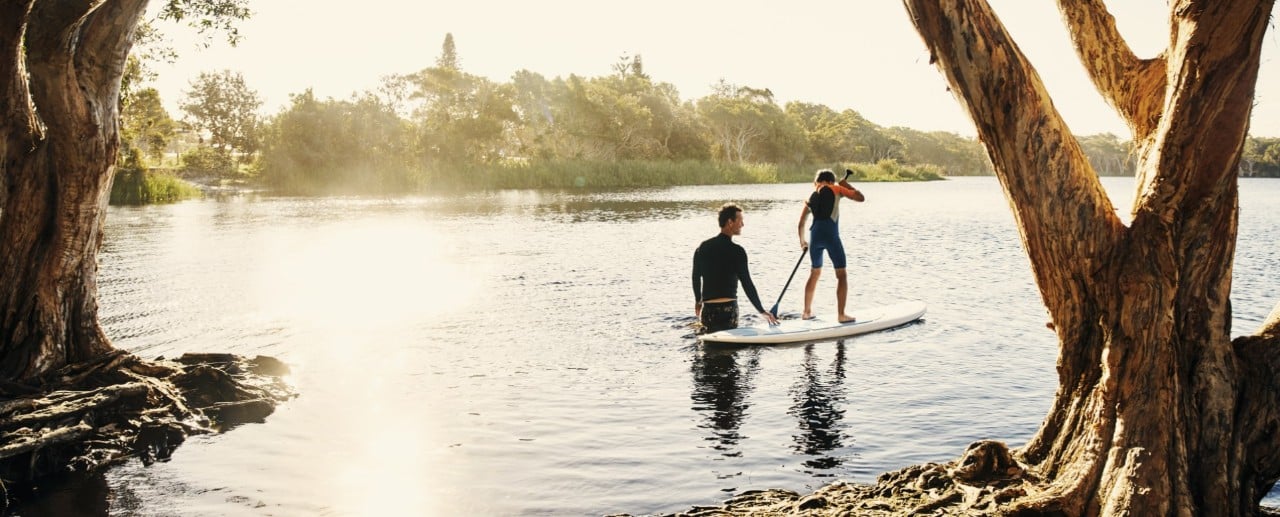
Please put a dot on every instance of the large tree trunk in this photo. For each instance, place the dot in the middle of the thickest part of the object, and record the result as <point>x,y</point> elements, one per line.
<point>60,69</point>
<point>1157,411</point>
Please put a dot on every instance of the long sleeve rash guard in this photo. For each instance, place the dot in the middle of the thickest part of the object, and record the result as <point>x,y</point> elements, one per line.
<point>718,266</point>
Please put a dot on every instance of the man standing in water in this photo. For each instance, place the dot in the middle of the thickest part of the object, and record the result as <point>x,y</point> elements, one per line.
<point>824,204</point>
<point>718,265</point>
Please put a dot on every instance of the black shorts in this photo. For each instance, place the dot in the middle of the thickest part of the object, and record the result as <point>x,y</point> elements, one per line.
<point>718,316</point>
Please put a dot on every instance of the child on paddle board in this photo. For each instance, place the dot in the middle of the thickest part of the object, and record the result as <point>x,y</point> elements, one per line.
<point>824,234</point>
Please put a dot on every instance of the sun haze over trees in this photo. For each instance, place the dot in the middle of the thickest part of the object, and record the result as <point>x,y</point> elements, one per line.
<point>622,129</point>
<point>222,106</point>
<point>464,129</point>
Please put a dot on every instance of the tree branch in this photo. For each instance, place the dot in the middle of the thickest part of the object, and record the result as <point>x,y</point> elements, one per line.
<point>1053,190</point>
<point>1135,87</point>
<point>1211,85</point>
<point>104,45</point>
<point>50,42</point>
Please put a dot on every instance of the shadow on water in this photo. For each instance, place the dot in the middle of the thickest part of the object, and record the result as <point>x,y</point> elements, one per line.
<point>70,495</point>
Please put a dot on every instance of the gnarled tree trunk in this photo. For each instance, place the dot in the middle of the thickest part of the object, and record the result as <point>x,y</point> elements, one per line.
<point>60,69</point>
<point>68,399</point>
<point>1157,411</point>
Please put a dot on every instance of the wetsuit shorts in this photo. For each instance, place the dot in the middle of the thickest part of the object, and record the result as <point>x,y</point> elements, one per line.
<point>825,235</point>
<point>718,316</point>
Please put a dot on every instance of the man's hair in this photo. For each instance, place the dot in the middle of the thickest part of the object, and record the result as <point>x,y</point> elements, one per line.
<point>825,175</point>
<point>728,212</point>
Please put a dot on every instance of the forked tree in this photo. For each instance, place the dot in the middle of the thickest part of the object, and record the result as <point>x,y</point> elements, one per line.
<point>1158,411</point>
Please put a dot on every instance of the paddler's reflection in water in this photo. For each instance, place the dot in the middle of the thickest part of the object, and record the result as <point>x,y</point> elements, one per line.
<point>720,388</point>
<point>724,379</point>
<point>819,407</point>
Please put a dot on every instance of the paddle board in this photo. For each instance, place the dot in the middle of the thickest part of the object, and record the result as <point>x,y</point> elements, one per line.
<point>819,329</point>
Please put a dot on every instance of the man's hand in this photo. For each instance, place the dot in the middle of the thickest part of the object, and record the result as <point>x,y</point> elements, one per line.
<point>768,316</point>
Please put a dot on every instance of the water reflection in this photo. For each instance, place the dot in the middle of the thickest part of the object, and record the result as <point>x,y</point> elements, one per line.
<point>581,207</point>
<point>723,382</point>
<point>720,388</point>
<point>819,399</point>
<point>432,344</point>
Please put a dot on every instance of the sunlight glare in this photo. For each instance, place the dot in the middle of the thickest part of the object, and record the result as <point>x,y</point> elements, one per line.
<point>364,275</point>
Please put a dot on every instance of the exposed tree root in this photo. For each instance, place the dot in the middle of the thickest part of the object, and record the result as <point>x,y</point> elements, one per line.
<point>89,416</point>
<point>985,481</point>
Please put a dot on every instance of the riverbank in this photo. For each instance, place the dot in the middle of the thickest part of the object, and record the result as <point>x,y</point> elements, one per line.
<point>89,416</point>
<point>984,481</point>
<point>571,174</point>
<point>167,185</point>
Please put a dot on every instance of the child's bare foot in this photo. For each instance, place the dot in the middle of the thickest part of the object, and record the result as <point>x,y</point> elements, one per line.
<point>847,319</point>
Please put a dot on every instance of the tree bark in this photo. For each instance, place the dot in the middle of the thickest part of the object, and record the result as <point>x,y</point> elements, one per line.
<point>61,67</point>
<point>1152,415</point>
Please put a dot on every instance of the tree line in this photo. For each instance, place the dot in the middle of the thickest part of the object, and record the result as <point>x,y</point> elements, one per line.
<point>442,127</point>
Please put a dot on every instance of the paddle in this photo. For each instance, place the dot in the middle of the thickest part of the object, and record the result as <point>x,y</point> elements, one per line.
<point>774,310</point>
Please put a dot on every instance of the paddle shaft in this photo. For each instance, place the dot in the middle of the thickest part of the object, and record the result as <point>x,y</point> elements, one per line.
<point>774,310</point>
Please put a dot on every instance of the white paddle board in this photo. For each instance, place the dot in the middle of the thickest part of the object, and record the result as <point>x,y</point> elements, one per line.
<point>870,319</point>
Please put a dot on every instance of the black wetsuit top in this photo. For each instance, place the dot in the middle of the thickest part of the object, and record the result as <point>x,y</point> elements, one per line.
<point>822,203</point>
<point>718,266</point>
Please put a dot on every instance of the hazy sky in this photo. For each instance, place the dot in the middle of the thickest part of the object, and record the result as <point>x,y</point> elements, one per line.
<point>860,55</point>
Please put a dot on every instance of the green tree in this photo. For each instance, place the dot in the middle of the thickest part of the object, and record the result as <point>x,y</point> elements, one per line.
<point>626,115</point>
<point>329,145</point>
<point>621,116</point>
<point>589,121</point>
<point>846,136</point>
<point>1261,157</point>
<point>630,67</point>
<point>1108,155</point>
<point>1271,156</point>
<point>221,105</point>
<point>825,133</point>
<point>746,125</point>
<point>953,154</point>
<point>144,123</point>
<point>873,144</point>
<point>533,100</point>
<point>461,118</point>
<point>448,59</point>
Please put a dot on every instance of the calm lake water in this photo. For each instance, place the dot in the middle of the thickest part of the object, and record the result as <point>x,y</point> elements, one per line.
<point>530,353</point>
